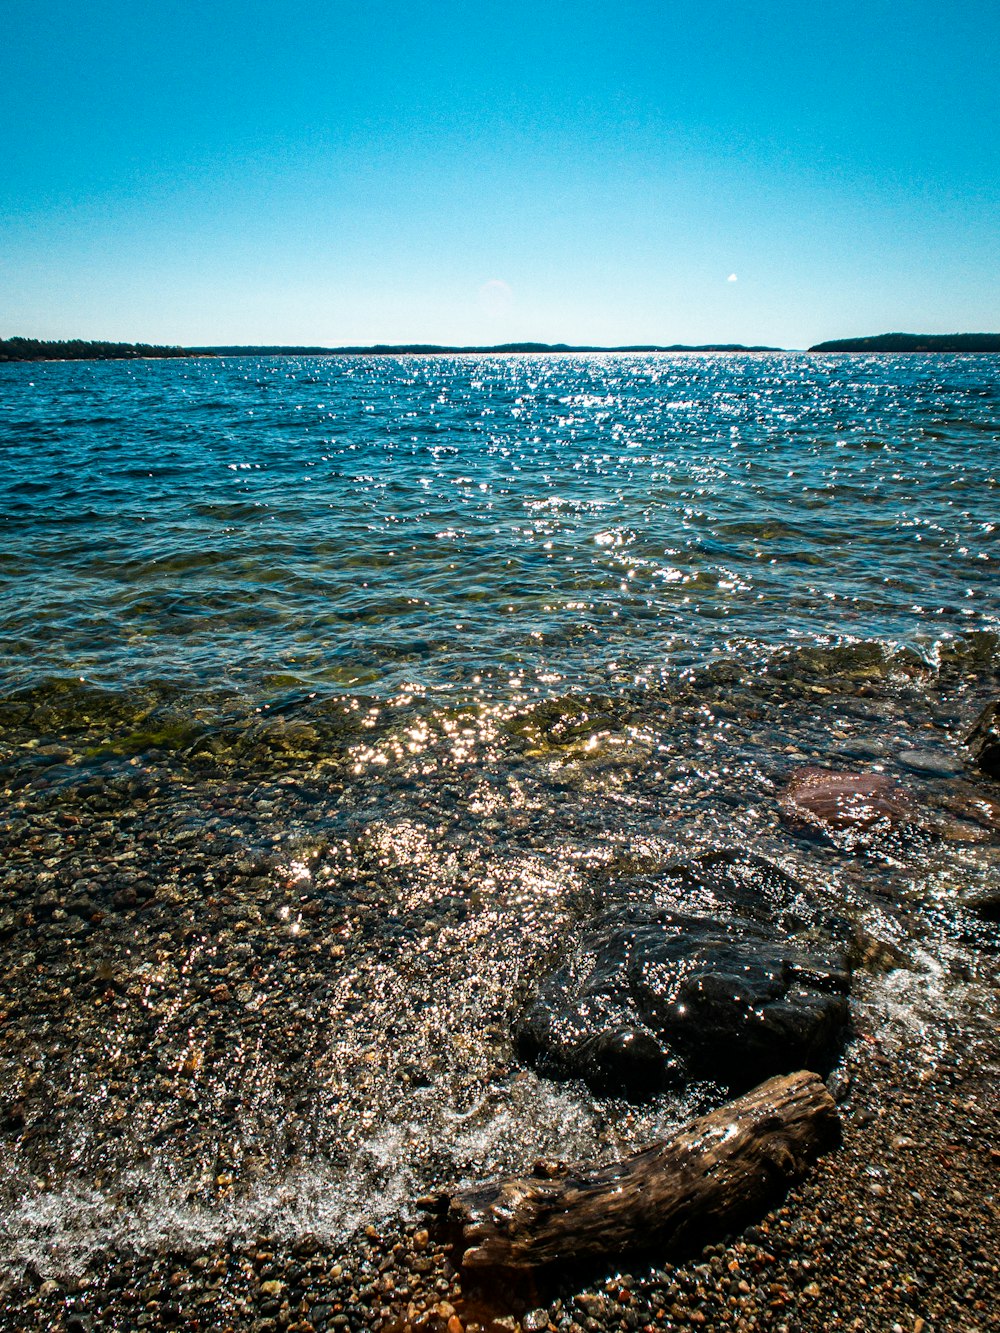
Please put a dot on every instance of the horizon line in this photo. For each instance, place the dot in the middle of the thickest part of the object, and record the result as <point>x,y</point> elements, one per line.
<point>19,348</point>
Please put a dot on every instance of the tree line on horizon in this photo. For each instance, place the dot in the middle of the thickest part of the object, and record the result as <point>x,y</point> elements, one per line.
<point>914,342</point>
<point>79,349</point>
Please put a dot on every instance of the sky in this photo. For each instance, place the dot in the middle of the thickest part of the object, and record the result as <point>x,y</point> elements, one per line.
<point>318,172</point>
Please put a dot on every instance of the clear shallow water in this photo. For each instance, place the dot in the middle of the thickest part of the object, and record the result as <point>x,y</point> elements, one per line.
<point>334,695</point>
<point>448,522</point>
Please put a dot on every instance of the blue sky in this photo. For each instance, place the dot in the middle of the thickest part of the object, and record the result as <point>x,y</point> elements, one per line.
<point>687,170</point>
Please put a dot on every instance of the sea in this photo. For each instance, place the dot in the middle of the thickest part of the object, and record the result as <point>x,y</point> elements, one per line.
<point>335,692</point>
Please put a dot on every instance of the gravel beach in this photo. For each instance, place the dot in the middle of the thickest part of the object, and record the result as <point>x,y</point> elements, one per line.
<point>247,1022</point>
<point>896,1230</point>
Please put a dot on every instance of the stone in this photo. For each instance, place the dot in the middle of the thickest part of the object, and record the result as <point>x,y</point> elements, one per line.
<point>935,763</point>
<point>973,806</point>
<point>984,739</point>
<point>727,971</point>
<point>860,807</point>
<point>985,904</point>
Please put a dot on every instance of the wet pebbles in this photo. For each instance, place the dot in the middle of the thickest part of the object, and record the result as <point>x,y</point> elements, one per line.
<point>896,1229</point>
<point>254,1002</point>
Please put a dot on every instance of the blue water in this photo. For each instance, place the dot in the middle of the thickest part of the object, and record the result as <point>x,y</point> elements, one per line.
<point>450,523</point>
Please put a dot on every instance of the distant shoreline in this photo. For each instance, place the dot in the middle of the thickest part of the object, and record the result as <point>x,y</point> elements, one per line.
<point>31,349</point>
<point>974,343</point>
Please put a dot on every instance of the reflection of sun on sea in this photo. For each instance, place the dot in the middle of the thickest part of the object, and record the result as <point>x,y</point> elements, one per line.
<point>495,297</point>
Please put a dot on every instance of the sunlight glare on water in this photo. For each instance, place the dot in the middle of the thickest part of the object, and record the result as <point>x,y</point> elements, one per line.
<point>361,523</point>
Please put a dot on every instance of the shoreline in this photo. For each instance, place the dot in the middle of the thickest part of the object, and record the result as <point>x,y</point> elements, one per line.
<point>896,1228</point>
<point>900,1220</point>
<point>892,344</point>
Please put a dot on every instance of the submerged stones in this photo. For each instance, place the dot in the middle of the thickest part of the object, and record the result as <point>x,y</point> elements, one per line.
<point>865,811</point>
<point>984,739</point>
<point>730,973</point>
<point>932,763</point>
<point>976,810</point>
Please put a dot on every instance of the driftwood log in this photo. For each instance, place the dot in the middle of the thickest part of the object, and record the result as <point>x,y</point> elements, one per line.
<point>714,1173</point>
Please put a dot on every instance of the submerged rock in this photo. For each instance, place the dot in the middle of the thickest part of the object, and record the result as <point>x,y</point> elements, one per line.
<point>979,813</point>
<point>935,763</point>
<point>733,974</point>
<point>984,739</point>
<point>863,806</point>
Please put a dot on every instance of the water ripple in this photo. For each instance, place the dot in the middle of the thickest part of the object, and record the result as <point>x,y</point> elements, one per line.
<point>557,513</point>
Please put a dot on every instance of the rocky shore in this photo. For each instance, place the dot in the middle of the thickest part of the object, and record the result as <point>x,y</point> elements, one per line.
<point>896,1230</point>
<point>261,990</point>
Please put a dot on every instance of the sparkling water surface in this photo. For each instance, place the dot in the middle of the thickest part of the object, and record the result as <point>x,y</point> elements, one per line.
<point>336,693</point>
<point>445,522</point>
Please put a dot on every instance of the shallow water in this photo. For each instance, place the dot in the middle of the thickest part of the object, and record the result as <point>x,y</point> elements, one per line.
<point>337,693</point>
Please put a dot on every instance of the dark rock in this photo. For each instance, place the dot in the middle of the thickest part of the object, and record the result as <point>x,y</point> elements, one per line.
<point>732,974</point>
<point>984,739</point>
<point>861,807</point>
<point>986,904</point>
<point>936,763</point>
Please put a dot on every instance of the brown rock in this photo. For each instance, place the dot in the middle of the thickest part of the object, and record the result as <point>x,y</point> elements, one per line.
<point>827,801</point>
<point>981,813</point>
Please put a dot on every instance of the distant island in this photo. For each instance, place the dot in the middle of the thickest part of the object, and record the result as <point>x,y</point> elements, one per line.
<point>915,342</point>
<point>78,349</point>
<point>33,349</point>
<point>436,349</point>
